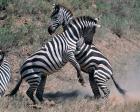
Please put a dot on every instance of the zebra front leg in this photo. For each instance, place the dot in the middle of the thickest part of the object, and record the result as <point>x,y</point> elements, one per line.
<point>40,89</point>
<point>76,65</point>
<point>1,93</point>
<point>94,86</point>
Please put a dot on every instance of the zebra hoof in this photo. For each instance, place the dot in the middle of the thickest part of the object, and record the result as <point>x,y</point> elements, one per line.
<point>97,97</point>
<point>35,106</point>
<point>49,103</point>
<point>83,84</point>
<point>8,95</point>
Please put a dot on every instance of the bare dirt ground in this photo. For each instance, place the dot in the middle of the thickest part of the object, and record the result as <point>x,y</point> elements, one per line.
<point>63,89</point>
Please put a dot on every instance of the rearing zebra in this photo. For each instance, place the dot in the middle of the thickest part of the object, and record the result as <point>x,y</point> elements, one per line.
<point>5,73</point>
<point>52,56</point>
<point>91,60</point>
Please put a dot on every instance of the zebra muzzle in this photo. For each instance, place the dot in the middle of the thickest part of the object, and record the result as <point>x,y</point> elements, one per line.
<point>50,30</point>
<point>97,25</point>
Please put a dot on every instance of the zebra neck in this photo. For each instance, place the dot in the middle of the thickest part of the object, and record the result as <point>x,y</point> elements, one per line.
<point>73,37</point>
<point>66,22</point>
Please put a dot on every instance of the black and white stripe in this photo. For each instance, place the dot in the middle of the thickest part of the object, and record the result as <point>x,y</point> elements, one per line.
<point>5,73</point>
<point>91,60</point>
<point>53,56</point>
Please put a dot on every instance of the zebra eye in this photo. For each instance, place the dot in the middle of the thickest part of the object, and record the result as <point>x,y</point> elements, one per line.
<point>54,17</point>
<point>53,6</point>
<point>0,56</point>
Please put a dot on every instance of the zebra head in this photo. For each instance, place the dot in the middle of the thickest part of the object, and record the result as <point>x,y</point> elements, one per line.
<point>60,16</point>
<point>63,16</point>
<point>2,54</point>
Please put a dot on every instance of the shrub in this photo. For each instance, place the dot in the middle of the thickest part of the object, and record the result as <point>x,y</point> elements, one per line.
<point>119,16</point>
<point>7,38</point>
<point>4,2</point>
<point>31,6</point>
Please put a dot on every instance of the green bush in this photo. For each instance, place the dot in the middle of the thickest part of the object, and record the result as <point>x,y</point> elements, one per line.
<point>4,2</point>
<point>80,4</point>
<point>119,15</point>
<point>31,6</point>
<point>7,38</point>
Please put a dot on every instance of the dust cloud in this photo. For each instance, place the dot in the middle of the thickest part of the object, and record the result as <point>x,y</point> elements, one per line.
<point>132,79</point>
<point>129,80</point>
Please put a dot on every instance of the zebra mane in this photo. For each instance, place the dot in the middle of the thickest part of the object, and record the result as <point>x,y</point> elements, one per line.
<point>58,6</point>
<point>86,18</point>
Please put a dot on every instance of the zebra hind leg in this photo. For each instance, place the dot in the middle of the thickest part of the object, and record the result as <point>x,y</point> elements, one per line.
<point>40,89</point>
<point>104,89</point>
<point>94,86</point>
<point>1,93</point>
<point>34,83</point>
<point>101,82</point>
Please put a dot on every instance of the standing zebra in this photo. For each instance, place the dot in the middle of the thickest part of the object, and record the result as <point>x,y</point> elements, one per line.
<point>91,60</point>
<point>5,73</point>
<point>53,56</point>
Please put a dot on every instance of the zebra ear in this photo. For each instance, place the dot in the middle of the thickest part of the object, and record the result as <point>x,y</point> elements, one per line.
<point>100,16</point>
<point>55,10</point>
<point>53,6</point>
<point>97,25</point>
<point>97,19</point>
<point>2,54</point>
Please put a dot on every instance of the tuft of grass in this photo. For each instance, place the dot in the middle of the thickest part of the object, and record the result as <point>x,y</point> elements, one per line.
<point>19,104</point>
<point>80,4</point>
<point>7,37</point>
<point>4,3</point>
<point>30,6</point>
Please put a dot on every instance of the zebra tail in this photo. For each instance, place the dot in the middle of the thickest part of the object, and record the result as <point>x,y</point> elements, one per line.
<point>122,91</point>
<point>14,91</point>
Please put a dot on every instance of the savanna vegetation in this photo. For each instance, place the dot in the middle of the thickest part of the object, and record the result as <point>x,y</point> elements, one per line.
<point>23,29</point>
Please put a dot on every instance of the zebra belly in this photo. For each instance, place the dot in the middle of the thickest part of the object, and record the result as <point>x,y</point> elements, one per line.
<point>84,58</point>
<point>87,65</point>
<point>92,59</point>
<point>41,65</point>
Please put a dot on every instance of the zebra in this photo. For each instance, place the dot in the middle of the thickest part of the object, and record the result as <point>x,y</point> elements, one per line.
<point>5,73</point>
<point>51,57</point>
<point>91,60</point>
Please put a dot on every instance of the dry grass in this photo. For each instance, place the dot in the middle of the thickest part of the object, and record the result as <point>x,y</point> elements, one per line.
<point>26,26</point>
<point>72,102</point>
<point>69,96</point>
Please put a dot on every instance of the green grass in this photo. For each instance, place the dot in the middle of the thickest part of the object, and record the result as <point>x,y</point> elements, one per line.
<point>4,2</point>
<point>120,16</point>
<point>7,38</point>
